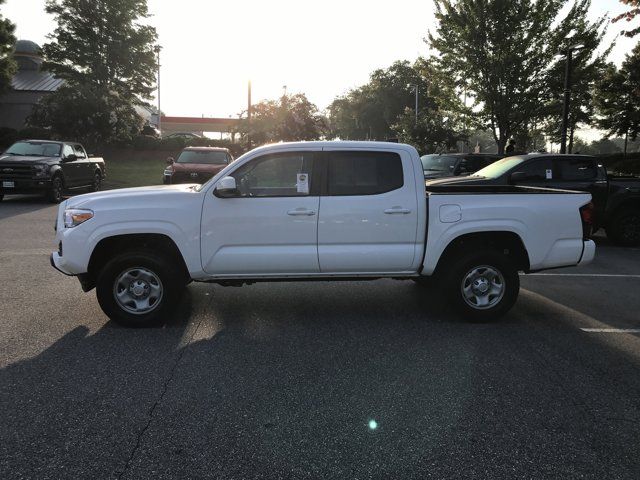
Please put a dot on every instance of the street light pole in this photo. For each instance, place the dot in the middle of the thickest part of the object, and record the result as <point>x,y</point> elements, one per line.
<point>157,51</point>
<point>249,115</point>
<point>567,95</point>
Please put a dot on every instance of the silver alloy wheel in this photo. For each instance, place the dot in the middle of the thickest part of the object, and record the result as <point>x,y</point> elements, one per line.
<point>138,290</point>
<point>483,287</point>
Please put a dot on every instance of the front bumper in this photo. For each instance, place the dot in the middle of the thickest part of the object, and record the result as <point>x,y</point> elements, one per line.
<point>588,252</point>
<point>24,186</point>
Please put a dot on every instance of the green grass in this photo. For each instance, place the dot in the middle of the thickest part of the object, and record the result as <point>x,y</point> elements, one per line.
<point>134,172</point>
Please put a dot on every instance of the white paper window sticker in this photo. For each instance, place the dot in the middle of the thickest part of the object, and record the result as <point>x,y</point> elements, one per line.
<point>302,183</point>
<point>549,174</point>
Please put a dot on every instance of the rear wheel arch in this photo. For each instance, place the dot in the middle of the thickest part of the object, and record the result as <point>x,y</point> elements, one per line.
<point>507,243</point>
<point>109,247</point>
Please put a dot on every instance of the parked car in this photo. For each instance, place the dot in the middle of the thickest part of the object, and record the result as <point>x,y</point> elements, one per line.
<point>184,135</point>
<point>317,210</point>
<point>616,199</point>
<point>439,165</point>
<point>196,165</point>
<point>50,168</point>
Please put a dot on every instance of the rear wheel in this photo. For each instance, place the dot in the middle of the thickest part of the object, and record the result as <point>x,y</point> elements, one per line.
<point>483,286</point>
<point>138,289</point>
<point>54,194</point>
<point>624,228</point>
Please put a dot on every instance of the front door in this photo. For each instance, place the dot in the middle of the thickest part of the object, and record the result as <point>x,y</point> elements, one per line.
<point>271,226</point>
<point>368,214</point>
<point>70,169</point>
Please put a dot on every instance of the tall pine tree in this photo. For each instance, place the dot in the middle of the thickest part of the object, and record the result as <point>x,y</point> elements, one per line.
<point>103,43</point>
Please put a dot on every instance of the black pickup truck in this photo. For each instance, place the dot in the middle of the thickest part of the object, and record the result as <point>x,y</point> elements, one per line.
<point>616,199</point>
<point>50,168</point>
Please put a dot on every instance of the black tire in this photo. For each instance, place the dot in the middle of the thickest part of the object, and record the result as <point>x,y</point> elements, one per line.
<point>1,197</point>
<point>118,273</point>
<point>624,228</point>
<point>97,182</point>
<point>474,272</point>
<point>54,194</point>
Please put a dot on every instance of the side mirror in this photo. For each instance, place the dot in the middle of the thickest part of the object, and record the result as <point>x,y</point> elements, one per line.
<point>226,188</point>
<point>71,158</point>
<point>170,161</point>
<point>516,177</point>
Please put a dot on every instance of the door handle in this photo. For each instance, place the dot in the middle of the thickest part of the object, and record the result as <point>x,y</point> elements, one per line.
<point>396,210</point>
<point>301,212</point>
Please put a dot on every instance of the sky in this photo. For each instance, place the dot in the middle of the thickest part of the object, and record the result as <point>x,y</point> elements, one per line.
<point>212,48</point>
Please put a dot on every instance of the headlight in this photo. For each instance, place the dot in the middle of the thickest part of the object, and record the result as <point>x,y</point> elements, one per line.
<point>168,171</point>
<point>75,216</point>
<point>41,170</point>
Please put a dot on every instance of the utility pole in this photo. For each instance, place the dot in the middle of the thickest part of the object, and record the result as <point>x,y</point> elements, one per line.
<point>249,108</point>
<point>157,49</point>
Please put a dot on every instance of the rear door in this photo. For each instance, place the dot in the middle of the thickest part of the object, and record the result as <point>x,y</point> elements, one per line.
<point>85,170</point>
<point>70,169</point>
<point>368,213</point>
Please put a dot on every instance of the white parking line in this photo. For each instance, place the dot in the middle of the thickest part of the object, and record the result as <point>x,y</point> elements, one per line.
<point>605,275</point>
<point>611,330</point>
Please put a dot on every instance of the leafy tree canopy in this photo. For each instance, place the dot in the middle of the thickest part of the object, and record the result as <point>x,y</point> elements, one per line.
<point>617,98</point>
<point>92,116</point>
<point>103,43</point>
<point>501,50</point>
<point>385,107</point>
<point>290,118</point>
<point>629,15</point>
<point>7,42</point>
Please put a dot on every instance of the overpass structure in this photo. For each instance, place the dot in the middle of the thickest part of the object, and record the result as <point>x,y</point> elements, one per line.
<point>198,125</point>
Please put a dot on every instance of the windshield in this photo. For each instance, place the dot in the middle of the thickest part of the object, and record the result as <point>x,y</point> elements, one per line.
<point>34,149</point>
<point>203,156</point>
<point>497,169</point>
<point>438,163</point>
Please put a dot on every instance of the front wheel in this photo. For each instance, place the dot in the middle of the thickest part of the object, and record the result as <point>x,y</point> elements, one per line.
<point>54,194</point>
<point>483,286</point>
<point>138,289</point>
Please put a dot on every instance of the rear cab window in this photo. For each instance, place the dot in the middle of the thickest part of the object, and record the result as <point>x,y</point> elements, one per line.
<point>363,173</point>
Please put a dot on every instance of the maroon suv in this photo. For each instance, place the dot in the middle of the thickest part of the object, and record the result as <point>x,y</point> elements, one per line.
<point>196,165</point>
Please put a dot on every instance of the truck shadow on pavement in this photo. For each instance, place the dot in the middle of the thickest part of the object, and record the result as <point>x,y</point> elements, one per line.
<point>336,380</point>
<point>12,205</point>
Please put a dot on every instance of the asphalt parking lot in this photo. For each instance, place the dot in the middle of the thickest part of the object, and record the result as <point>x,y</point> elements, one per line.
<point>316,380</point>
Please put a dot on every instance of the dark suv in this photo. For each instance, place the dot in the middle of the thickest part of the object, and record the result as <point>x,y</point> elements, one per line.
<point>42,166</point>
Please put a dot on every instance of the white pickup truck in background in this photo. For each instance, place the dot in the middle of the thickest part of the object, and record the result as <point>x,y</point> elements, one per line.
<point>317,210</point>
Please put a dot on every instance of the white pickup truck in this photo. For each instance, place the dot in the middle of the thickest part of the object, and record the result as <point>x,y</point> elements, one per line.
<point>317,210</point>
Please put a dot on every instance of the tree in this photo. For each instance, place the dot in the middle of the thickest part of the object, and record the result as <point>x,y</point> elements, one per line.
<point>103,44</point>
<point>385,107</point>
<point>587,67</point>
<point>617,98</point>
<point>7,42</point>
<point>92,116</point>
<point>290,118</point>
<point>630,15</point>
<point>501,51</point>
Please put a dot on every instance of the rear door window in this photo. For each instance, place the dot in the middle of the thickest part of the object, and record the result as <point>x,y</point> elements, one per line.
<point>364,173</point>
<point>577,169</point>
